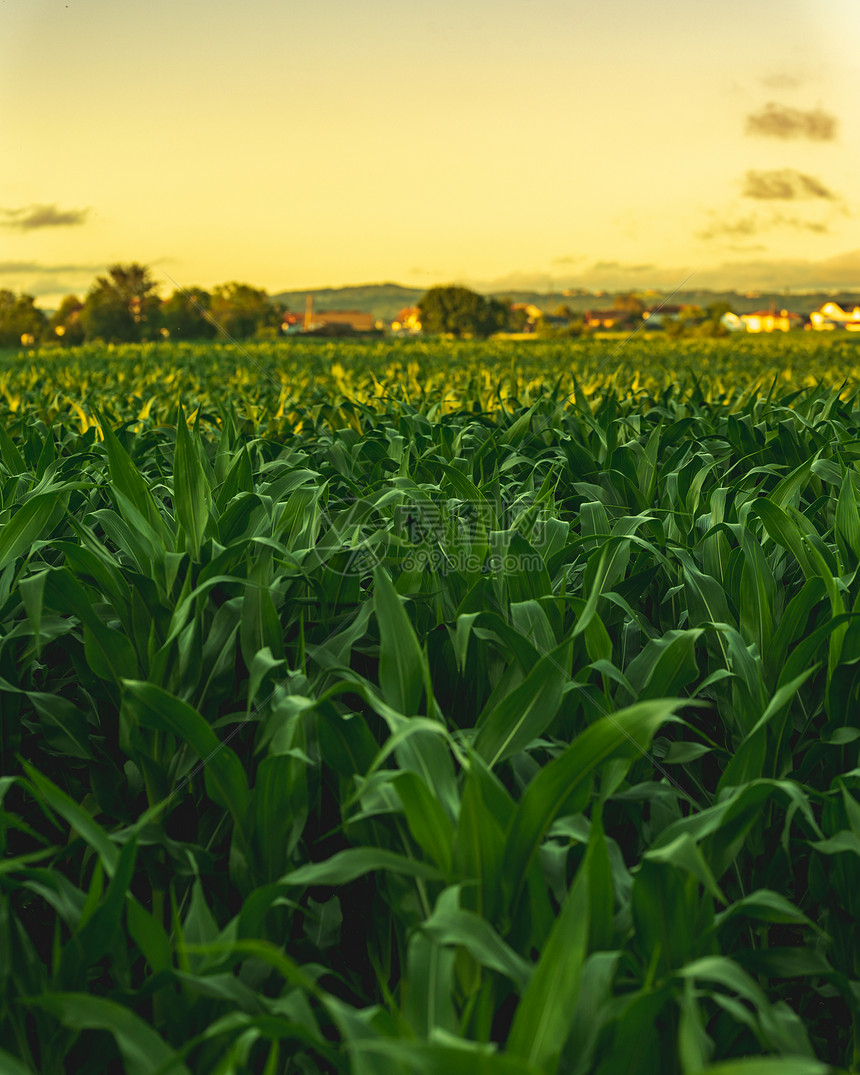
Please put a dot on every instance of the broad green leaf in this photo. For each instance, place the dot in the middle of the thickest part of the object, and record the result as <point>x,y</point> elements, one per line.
<point>542,1019</point>
<point>628,732</point>
<point>451,924</point>
<point>226,783</point>
<point>427,820</point>
<point>29,523</point>
<point>527,711</point>
<point>192,494</point>
<point>401,662</point>
<point>346,866</point>
<point>82,822</point>
<point>143,1050</point>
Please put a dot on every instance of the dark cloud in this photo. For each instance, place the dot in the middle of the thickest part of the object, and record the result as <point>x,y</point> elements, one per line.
<point>785,184</point>
<point>32,217</point>
<point>781,121</point>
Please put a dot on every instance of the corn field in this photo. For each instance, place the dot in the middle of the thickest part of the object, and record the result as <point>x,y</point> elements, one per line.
<point>428,708</point>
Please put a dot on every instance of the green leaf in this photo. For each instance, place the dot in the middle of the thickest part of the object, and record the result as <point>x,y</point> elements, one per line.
<point>427,820</point>
<point>346,866</point>
<point>628,732</point>
<point>110,654</point>
<point>542,1019</point>
<point>783,1065</point>
<point>192,494</point>
<point>130,483</point>
<point>226,783</point>
<point>28,524</point>
<point>76,817</point>
<point>401,662</point>
<point>452,925</point>
<point>144,1052</point>
<point>527,711</point>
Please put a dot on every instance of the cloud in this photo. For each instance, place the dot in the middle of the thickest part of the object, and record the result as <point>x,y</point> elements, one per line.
<point>781,121</point>
<point>737,229</point>
<point>567,259</point>
<point>18,268</point>
<point>617,266</point>
<point>785,184</point>
<point>31,217</point>
<point>755,224</point>
<point>419,270</point>
<point>744,272</point>
<point>841,272</point>
<point>516,281</point>
<point>784,81</point>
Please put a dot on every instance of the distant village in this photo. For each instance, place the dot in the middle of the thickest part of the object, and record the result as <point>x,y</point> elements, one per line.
<point>529,319</point>
<point>124,306</point>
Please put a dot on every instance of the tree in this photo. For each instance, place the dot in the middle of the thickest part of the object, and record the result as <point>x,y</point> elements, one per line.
<point>122,306</point>
<point>185,315</point>
<point>241,310</point>
<point>20,320</point>
<point>461,312</point>
<point>65,325</point>
<point>628,302</point>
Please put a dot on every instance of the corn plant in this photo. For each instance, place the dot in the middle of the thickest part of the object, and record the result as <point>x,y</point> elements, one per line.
<point>414,721</point>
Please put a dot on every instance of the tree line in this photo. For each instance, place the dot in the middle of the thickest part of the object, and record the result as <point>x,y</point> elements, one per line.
<point>124,306</point>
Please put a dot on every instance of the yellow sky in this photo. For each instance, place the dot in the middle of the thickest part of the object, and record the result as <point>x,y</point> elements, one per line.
<point>620,144</point>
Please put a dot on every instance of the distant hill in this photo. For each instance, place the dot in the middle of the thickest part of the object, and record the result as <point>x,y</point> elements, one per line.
<point>385,301</point>
<point>382,300</point>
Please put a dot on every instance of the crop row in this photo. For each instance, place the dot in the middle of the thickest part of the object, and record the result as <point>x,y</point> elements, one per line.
<point>515,739</point>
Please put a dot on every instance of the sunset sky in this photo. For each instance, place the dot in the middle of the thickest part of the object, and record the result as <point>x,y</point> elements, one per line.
<point>618,144</point>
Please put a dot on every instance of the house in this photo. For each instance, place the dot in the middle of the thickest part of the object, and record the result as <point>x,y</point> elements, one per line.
<point>525,316</point>
<point>770,321</point>
<point>330,321</point>
<point>732,323</point>
<point>355,320</point>
<point>407,322</point>
<point>602,319</point>
<point>832,316</point>
<point>658,315</point>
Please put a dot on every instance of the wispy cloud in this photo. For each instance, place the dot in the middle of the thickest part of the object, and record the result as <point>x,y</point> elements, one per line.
<point>781,121</point>
<point>754,224</point>
<point>784,81</point>
<point>32,217</point>
<point>750,269</point>
<point>20,268</point>
<point>618,266</point>
<point>784,184</point>
<point>842,271</point>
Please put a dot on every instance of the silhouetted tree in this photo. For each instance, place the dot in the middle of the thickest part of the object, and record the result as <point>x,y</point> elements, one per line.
<point>122,305</point>
<point>628,302</point>
<point>20,319</point>
<point>461,312</point>
<point>65,325</point>
<point>185,315</point>
<point>241,310</point>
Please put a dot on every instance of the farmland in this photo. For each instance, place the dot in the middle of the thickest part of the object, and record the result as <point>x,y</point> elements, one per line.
<point>430,707</point>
